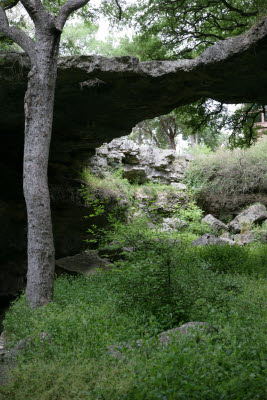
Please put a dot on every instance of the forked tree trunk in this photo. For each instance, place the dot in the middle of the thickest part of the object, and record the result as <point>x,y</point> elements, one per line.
<point>39,104</point>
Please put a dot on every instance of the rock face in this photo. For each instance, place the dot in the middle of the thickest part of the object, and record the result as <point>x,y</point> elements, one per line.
<point>254,214</point>
<point>245,238</point>
<point>169,224</point>
<point>190,328</point>
<point>215,223</point>
<point>69,225</point>
<point>208,239</point>
<point>84,263</point>
<point>140,163</point>
<point>165,203</point>
<point>98,99</point>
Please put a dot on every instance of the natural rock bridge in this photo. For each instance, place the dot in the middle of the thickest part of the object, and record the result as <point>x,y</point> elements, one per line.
<point>98,99</point>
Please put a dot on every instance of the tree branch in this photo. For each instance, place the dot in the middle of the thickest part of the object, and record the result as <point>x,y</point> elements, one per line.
<point>16,35</point>
<point>120,9</point>
<point>35,9</point>
<point>66,10</point>
<point>239,11</point>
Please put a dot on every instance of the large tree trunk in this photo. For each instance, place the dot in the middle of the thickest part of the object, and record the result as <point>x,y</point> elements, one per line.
<point>39,103</point>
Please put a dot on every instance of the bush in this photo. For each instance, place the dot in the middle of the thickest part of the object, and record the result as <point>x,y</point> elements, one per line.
<point>229,178</point>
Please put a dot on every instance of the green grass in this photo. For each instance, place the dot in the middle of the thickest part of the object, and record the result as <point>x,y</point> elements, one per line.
<point>159,287</point>
<point>111,184</point>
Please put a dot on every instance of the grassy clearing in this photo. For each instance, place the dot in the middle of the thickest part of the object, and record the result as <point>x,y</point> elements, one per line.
<point>159,287</point>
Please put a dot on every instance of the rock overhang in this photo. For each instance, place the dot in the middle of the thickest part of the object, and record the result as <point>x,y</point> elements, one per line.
<point>100,98</point>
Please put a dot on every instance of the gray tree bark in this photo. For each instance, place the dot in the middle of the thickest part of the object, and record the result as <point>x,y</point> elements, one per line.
<point>39,105</point>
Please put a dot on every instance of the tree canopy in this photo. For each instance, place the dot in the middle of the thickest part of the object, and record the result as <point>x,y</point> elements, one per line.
<point>186,28</point>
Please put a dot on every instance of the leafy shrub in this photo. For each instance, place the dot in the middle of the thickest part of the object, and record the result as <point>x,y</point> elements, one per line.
<point>110,184</point>
<point>229,177</point>
<point>107,199</point>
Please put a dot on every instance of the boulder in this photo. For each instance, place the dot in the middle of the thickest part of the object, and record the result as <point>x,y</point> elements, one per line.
<point>84,263</point>
<point>190,328</point>
<point>178,185</point>
<point>215,223</point>
<point>245,238</point>
<point>243,221</point>
<point>170,224</point>
<point>208,239</point>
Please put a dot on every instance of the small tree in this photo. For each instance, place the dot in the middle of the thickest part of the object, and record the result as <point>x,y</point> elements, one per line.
<point>200,122</point>
<point>161,130</point>
<point>43,53</point>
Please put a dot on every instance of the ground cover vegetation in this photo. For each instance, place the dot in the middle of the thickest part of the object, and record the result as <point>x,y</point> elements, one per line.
<point>162,284</point>
<point>227,176</point>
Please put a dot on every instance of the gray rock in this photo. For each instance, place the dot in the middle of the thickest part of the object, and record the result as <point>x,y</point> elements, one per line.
<point>244,238</point>
<point>169,224</point>
<point>84,263</point>
<point>178,185</point>
<point>140,163</point>
<point>254,214</point>
<point>208,239</point>
<point>189,157</point>
<point>190,328</point>
<point>215,223</point>
<point>165,203</point>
